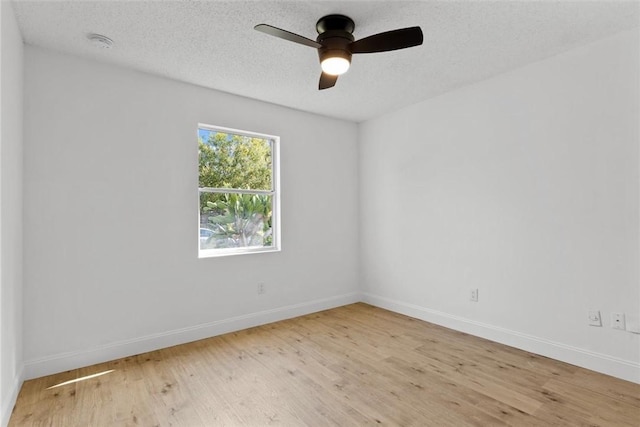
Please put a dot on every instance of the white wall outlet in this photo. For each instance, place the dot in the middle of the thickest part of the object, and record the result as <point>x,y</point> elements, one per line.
<point>617,321</point>
<point>474,295</point>
<point>594,318</point>
<point>632,323</point>
<point>261,288</point>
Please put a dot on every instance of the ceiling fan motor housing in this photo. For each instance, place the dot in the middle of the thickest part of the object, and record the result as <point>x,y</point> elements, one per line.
<point>335,35</point>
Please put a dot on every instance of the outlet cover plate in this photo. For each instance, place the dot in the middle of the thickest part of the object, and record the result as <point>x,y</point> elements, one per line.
<point>617,321</point>
<point>594,318</point>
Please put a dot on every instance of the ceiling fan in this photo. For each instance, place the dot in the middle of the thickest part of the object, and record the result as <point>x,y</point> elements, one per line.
<point>335,43</point>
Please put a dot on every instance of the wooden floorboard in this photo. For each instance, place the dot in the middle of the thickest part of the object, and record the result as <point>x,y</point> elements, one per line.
<point>350,366</point>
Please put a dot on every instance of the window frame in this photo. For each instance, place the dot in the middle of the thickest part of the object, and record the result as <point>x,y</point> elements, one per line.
<point>274,192</point>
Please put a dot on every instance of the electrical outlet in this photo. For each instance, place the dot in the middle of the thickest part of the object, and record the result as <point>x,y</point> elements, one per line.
<point>632,323</point>
<point>594,318</point>
<point>261,288</point>
<point>474,295</point>
<point>617,321</point>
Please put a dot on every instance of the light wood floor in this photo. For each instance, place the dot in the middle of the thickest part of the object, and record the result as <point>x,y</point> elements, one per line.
<point>350,366</point>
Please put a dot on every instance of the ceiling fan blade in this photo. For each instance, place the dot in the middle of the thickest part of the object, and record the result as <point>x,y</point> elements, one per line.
<point>287,35</point>
<point>327,81</point>
<point>390,40</point>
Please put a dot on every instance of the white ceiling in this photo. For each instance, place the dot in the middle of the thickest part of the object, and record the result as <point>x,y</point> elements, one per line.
<point>213,44</point>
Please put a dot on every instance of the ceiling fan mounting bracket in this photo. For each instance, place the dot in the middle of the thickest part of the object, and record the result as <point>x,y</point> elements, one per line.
<point>335,23</point>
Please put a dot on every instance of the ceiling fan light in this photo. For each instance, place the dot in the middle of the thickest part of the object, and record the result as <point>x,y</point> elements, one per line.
<point>335,65</point>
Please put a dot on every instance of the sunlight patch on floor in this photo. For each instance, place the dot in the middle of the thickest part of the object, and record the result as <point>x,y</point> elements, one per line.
<point>87,377</point>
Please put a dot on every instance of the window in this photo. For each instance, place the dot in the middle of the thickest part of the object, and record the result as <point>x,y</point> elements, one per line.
<point>238,191</point>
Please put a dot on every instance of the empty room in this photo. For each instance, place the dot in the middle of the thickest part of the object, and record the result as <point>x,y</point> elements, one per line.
<point>310,213</point>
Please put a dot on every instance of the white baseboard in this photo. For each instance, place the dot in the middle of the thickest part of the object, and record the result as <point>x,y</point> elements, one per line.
<point>619,368</point>
<point>72,360</point>
<point>10,401</point>
<point>624,369</point>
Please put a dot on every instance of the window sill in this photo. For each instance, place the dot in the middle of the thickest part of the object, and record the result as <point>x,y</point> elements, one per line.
<point>215,253</point>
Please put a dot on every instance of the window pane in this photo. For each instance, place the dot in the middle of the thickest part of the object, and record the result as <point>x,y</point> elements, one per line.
<point>234,220</point>
<point>234,161</point>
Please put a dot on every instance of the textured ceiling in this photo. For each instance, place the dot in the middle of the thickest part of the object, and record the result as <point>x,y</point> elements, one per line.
<point>213,44</point>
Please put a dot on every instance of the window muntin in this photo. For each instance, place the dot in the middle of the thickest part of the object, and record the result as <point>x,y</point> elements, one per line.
<point>238,192</point>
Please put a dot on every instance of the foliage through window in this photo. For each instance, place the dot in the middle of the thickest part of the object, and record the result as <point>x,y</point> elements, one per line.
<point>238,186</point>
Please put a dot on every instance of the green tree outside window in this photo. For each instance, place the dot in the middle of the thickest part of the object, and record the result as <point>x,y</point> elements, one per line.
<point>240,218</point>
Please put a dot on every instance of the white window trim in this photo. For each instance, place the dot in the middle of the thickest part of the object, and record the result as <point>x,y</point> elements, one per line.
<point>274,193</point>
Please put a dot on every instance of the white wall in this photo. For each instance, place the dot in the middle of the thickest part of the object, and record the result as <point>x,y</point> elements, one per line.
<point>525,186</point>
<point>111,263</point>
<point>11,95</point>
